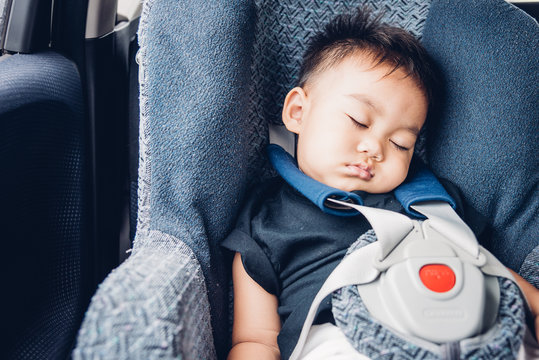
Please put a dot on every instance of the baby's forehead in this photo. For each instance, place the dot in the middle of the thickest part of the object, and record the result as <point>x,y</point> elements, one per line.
<point>331,59</point>
<point>366,60</point>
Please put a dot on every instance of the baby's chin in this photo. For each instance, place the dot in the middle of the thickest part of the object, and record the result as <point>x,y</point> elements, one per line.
<point>370,187</point>
<point>352,183</point>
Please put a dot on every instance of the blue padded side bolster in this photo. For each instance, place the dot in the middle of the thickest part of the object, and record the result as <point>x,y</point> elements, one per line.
<point>420,186</point>
<point>310,188</point>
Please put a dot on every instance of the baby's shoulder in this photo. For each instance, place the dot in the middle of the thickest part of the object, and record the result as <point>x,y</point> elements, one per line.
<point>258,196</point>
<point>263,191</point>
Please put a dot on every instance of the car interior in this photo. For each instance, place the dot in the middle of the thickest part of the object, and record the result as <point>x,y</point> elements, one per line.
<point>133,129</point>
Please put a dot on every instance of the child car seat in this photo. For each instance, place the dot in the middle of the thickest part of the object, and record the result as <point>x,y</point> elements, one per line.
<point>213,75</point>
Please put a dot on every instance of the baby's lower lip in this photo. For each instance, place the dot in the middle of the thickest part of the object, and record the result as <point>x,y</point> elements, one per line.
<point>359,172</point>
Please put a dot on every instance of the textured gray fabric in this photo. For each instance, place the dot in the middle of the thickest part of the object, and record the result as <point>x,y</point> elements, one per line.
<point>487,135</point>
<point>155,305</point>
<point>530,268</point>
<point>196,139</point>
<point>373,339</point>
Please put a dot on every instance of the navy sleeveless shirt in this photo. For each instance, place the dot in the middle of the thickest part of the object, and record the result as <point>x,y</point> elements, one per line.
<point>289,247</point>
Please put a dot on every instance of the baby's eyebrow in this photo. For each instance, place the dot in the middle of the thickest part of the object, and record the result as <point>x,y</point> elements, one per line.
<point>367,101</point>
<point>413,130</point>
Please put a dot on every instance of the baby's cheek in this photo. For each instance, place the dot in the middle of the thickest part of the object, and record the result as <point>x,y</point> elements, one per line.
<point>399,172</point>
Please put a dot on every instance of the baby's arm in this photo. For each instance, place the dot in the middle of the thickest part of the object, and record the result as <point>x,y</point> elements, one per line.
<point>256,321</point>
<point>532,296</point>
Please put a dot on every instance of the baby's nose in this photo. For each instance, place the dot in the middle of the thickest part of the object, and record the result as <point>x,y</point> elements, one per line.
<point>372,147</point>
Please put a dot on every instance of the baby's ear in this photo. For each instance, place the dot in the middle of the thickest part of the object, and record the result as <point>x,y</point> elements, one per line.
<point>293,109</point>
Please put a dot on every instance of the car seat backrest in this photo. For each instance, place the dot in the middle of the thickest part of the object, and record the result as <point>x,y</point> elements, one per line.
<point>195,139</point>
<point>211,87</point>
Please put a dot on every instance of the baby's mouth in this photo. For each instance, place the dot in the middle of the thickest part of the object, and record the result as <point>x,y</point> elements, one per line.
<point>361,170</point>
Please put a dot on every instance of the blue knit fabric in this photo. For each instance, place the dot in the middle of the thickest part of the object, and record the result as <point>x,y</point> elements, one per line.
<point>420,186</point>
<point>196,161</point>
<point>199,136</point>
<point>486,137</point>
<point>199,132</point>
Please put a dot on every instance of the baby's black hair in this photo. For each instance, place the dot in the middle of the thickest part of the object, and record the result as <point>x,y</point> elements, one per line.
<point>386,44</point>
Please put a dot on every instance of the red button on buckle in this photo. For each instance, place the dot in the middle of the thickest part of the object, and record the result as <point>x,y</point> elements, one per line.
<point>437,277</point>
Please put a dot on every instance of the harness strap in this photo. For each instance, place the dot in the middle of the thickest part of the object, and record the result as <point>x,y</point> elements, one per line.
<point>442,218</point>
<point>388,236</point>
<point>347,273</point>
<point>446,221</point>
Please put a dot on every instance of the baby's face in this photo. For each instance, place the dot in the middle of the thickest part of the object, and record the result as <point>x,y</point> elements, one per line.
<point>356,126</point>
